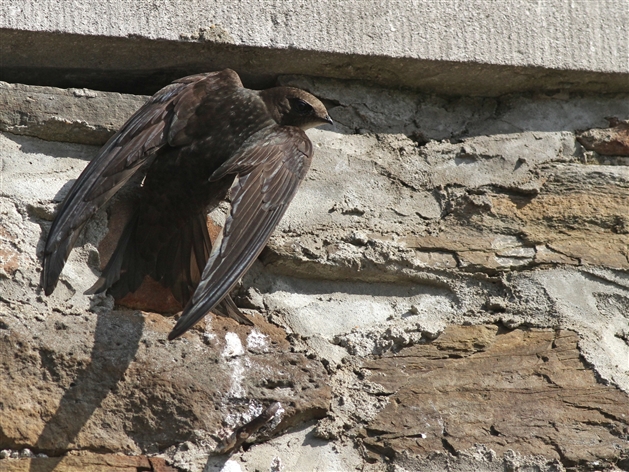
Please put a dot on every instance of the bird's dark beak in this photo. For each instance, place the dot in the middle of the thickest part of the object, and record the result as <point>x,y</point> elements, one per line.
<point>327,119</point>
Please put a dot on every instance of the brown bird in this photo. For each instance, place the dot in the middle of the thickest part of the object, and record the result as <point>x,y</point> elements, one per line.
<point>194,142</point>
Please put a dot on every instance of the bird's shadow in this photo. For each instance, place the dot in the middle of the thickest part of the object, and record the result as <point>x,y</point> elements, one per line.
<point>116,340</point>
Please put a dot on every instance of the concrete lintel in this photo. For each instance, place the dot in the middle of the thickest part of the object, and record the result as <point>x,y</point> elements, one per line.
<point>451,47</point>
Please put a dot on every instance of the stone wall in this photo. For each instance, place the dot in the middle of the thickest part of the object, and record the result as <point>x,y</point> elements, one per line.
<point>448,291</point>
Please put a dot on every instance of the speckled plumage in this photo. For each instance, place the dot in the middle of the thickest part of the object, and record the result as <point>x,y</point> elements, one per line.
<point>192,142</point>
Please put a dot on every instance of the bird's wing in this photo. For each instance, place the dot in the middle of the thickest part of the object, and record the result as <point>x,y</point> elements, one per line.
<point>163,120</point>
<point>269,169</point>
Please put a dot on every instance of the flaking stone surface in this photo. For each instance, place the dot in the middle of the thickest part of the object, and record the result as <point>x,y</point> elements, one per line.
<point>420,214</point>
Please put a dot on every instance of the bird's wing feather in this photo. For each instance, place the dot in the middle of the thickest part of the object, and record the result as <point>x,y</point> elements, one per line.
<point>269,170</point>
<point>163,120</point>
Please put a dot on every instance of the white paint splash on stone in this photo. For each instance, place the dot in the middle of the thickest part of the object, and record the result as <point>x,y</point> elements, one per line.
<point>233,346</point>
<point>231,466</point>
<point>208,335</point>
<point>257,342</point>
<point>233,420</point>
<point>238,375</point>
<point>233,351</point>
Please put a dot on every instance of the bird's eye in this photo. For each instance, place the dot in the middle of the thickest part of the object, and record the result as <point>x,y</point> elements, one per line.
<point>301,107</point>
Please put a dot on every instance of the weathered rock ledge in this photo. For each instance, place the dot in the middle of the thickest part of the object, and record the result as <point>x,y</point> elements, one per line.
<point>450,288</point>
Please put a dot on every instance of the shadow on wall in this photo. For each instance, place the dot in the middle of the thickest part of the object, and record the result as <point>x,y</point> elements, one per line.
<point>359,108</point>
<point>116,341</point>
<point>60,149</point>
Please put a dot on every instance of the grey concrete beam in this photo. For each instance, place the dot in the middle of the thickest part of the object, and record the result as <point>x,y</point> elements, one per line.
<point>456,47</point>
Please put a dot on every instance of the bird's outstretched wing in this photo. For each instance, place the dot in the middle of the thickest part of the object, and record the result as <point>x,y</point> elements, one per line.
<point>269,168</point>
<point>167,119</point>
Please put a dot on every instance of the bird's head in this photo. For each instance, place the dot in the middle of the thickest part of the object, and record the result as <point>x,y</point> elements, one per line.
<point>291,106</point>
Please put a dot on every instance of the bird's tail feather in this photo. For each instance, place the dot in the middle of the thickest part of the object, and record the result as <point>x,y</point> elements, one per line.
<point>55,260</point>
<point>233,311</point>
<point>180,262</point>
<point>178,265</point>
<point>123,273</point>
